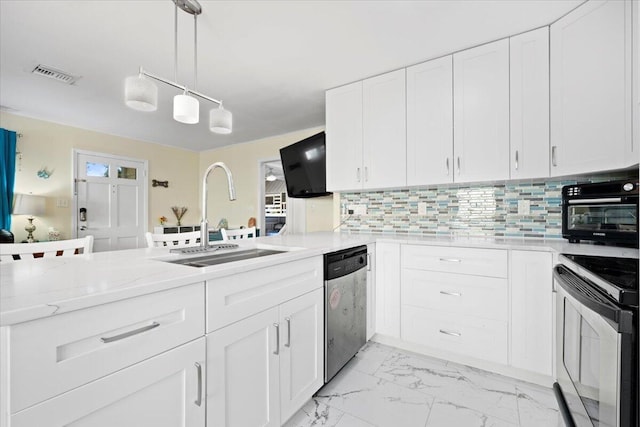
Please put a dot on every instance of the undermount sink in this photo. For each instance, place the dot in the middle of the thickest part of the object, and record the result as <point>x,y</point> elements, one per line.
<point>224,257</point>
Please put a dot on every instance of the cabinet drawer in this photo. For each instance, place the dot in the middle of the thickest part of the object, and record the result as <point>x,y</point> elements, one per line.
<point>51,356</point>
<point>236,297</point>
<point>481,262</point>
<point>485,297</point>
<point>467,335</point>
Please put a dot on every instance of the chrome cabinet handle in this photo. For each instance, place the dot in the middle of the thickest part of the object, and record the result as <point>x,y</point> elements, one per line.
<point>447,165</point>
<point>358,174</point>
<point>366,174</point>
<point>458,165</point>
<point>450,260</point>
<point>554,160</point>
<point>453,294</point>
<point>516,159</point>
<point>453,334</point>
<point>277,350</point>
<point>198,401</point>
<point>130,333</point>
<point>288,343</point>
<point>368,261</point>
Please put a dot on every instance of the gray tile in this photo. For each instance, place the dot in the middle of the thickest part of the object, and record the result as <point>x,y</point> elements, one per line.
<point>447,414</point>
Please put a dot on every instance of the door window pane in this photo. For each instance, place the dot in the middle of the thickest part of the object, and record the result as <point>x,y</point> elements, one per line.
<point>97,169</point>
<point>127,173</point>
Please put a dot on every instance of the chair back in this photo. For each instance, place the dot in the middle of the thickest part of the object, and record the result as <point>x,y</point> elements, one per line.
<point>173,240</point>
<point>239,233</point>
<point>10,252</point>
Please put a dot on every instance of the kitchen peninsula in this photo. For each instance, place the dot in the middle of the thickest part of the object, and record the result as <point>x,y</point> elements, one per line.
<point>91,334</point>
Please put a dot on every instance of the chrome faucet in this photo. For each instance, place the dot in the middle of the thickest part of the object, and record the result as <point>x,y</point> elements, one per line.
<point>204,224</point>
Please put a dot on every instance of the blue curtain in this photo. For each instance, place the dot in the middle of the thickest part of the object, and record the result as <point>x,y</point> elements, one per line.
<point>7,175</point>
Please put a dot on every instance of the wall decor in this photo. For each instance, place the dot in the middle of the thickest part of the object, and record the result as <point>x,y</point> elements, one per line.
<point>156,183</point>
<point>44,173</point>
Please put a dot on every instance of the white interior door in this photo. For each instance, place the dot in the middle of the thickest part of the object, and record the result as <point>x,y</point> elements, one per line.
<point>110,200</point>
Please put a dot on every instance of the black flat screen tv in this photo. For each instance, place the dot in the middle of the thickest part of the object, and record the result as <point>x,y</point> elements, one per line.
<point>305,167</point>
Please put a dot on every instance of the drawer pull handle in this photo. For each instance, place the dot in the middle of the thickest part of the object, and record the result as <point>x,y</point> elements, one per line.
<point>453,294</point>
<point>277,350</point>
<point>199,399</point>
<point>130,333</point>
<point>288,343</point>
<point>450,260</point>
<point>453,334</point>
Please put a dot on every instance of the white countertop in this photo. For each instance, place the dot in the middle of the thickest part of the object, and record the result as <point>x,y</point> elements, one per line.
<point>39,288</point>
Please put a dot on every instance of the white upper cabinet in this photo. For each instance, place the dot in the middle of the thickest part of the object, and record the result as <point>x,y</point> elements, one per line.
<point>481,112</point>
<point>430,122</point>
<point>529,84</point>
<point>636,79</point>
<point>344,137</point>
<point>384,130</point>
<point>591,89</point>
<point>366,134</point>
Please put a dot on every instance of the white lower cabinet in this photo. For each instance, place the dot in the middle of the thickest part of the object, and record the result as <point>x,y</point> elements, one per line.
<point>388,289</point>
<point>164,391</point>
<point>265,367</point>
<point>532,311</point>
<point>371,290</point>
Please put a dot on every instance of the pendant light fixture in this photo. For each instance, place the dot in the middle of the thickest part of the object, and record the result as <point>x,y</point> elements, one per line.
<point>142,94</point>
<point>270,176</point>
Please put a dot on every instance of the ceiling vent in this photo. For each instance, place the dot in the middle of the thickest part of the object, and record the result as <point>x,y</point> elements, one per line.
<point>57,75</point>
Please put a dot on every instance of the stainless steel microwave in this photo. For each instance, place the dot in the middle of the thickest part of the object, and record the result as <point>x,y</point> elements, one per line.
<point>605,212</point>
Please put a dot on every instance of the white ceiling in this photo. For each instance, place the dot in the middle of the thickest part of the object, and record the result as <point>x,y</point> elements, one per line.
<point>269,61</point>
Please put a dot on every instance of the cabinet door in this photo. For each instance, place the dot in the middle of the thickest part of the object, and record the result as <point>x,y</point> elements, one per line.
<point>636,79</point>
<point>344,137</point>
<point>591,88</point>
<point>301,351</point>
<point>165,390</point>
<point>430,122</point>
<point>529,84</point>
<point>531,311</point>
<point>481,112</point>
<point>371,290</point>
<point>388,289</point>
<point>384,130</point>
<point>243,374</point>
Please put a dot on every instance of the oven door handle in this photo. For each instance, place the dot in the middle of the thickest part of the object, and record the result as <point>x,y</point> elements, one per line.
<point>587,295</point>
<point>601,200</point>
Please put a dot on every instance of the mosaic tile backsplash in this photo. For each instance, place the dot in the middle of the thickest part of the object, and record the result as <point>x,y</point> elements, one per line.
<point>465,210</point>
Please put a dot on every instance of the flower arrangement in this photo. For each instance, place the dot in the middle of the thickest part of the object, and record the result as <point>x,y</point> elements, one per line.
<point>179,212</point>
<point>162,220</point>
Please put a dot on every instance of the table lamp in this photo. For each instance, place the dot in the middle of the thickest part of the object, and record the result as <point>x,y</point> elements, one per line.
<point>28,204</point>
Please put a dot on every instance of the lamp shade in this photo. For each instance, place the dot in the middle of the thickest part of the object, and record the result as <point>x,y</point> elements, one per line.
<point>220,121</point>
<point>28,204</point>
<point>186,109</point>
<point>140,94</point>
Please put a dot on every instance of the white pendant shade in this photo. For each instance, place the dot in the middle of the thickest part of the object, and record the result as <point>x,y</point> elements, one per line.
<point>220,121</point>
<point>140,94</point>
<point>186,109</point>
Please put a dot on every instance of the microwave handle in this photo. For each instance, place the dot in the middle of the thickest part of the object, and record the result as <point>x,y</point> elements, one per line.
<point>601,200</point>
<point>621,319</point>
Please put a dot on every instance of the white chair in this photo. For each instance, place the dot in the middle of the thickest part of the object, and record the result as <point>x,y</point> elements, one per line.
<point>238,233</point>
<point>10,252</point>
<point>173,240</point>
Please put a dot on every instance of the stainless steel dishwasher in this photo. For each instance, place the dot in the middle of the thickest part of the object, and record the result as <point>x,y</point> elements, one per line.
<point>345,307</point>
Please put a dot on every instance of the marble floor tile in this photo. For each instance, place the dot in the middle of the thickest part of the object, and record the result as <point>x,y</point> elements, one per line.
<point>375,400</point>
<point>370,357</point>
<point>537,406</point>
<point>447,414</point>
<point>387,387</point>
<point>351,421</point>
<point>315,414</point>
<point>464,386</point>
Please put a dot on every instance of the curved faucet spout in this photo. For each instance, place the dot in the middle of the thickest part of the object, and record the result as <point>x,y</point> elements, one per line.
<point>204,224</point>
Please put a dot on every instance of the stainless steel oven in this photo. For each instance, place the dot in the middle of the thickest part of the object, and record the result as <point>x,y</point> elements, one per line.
<point>597,329</point>
<point>605,212</point>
